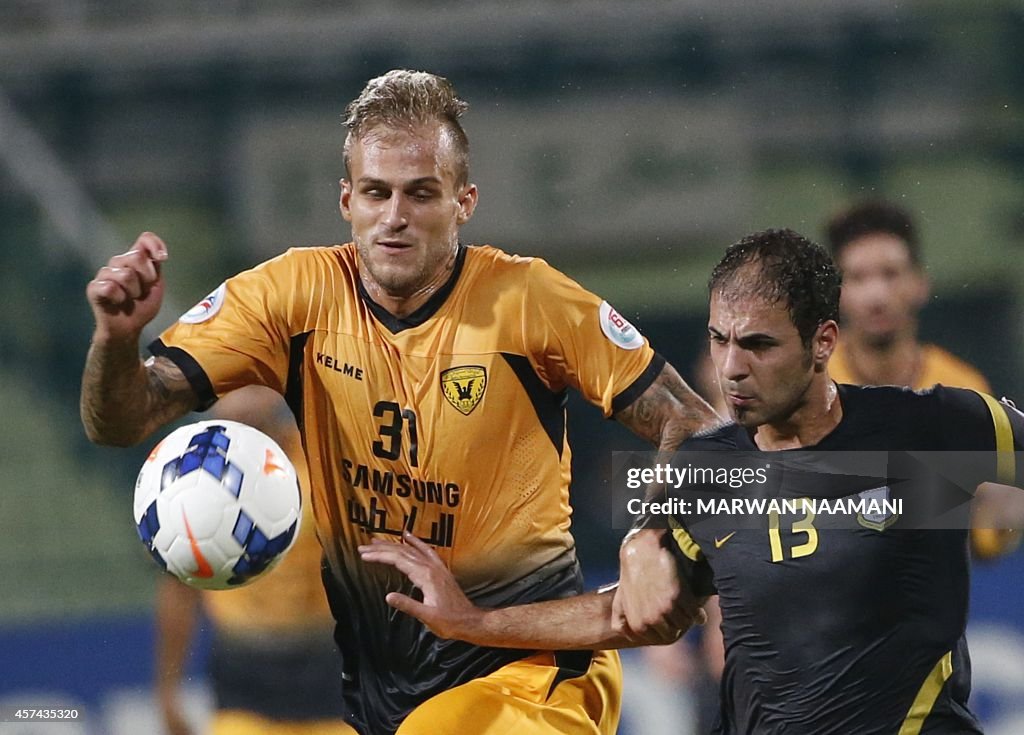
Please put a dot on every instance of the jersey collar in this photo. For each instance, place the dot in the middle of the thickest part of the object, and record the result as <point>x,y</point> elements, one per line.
<point>396,325</point>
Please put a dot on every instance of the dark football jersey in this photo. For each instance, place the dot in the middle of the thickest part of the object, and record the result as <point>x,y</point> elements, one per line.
<point>449,423</point>
<point>834,631</point>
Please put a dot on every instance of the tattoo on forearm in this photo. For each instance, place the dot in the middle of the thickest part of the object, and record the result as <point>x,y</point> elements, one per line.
<point>642,418</point>
<point>124,400</point>
<point>170,394</point>
<point>668,412</point>
<point>166,380</point>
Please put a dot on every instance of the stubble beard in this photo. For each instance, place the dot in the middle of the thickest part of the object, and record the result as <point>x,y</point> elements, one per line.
<point>398,282</point>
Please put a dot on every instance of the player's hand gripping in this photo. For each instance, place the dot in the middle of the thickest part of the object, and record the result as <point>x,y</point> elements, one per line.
<point>651,603</point>
<point>445,609</point>
<point>127,292</point>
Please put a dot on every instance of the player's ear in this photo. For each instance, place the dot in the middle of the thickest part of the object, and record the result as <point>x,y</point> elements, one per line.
<point>467,203</point>
<point>826,336</point>
<point>345,200</point>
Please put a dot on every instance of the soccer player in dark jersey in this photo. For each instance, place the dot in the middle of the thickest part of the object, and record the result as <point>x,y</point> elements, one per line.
<point>827,631</point>
<point>428,381</point>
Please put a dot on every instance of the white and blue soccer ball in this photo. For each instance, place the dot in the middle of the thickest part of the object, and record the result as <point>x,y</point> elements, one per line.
<point>217,504</point>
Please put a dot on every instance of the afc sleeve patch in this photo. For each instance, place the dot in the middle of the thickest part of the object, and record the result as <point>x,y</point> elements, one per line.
<point>206,308</point>
<point>619,331</point>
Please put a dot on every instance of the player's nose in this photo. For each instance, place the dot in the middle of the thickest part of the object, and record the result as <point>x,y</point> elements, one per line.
<point>396,213</point>
<point>876,291</point>
<point>734,366</point>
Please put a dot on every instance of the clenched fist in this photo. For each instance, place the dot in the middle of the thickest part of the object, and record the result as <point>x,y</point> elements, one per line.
<point>127,292</point>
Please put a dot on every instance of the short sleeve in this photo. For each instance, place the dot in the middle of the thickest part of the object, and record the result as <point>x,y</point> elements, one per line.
<point>575,339</point>
<point>972,421</point>
<point>238,335</point>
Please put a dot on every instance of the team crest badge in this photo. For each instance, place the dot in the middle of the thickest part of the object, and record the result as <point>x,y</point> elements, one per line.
<point>877,517</point>
<point>464,387</point>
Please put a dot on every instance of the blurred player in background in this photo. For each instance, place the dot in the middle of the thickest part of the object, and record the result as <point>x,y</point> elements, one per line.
<point>429,382</point>
<point>272,664</point>
<point>875,244</point>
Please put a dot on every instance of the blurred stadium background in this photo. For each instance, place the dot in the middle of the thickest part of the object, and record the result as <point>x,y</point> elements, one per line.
<point>627,143</point>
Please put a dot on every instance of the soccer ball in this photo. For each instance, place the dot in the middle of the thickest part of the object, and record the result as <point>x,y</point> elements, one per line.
<point>217,504</point>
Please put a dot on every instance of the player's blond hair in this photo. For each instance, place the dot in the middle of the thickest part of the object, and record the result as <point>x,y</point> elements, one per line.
<point>409,100</point>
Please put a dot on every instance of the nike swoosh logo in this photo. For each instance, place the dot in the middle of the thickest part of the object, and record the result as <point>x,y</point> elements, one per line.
<point>203,570</point>
<point>270,465</point>
<point>720,542</point>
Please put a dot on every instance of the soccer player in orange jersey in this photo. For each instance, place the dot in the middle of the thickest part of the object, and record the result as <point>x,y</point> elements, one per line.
<point>875,243</point>
<point>428,380</point>
<point>884,289</point>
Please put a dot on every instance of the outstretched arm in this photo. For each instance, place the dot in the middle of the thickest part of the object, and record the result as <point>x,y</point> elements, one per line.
<point>666,414</point>
<point>581,622</point>
<point>656,607</point>
<point>123,399</point>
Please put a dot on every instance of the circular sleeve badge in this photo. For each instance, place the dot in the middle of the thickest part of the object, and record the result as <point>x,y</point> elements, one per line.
<point>206,308</point>
<point>618,330</point>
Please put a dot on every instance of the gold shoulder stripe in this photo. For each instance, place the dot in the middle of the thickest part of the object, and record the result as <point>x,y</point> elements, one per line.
<point>926,696</point>
<point>685,541</point>
<point>989,543</point>
<point>1006,469</point>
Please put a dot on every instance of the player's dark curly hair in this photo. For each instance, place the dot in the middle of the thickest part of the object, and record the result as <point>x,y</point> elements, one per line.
<point>869,218</point>
<point>789,268</point>
<point>406,100</point>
